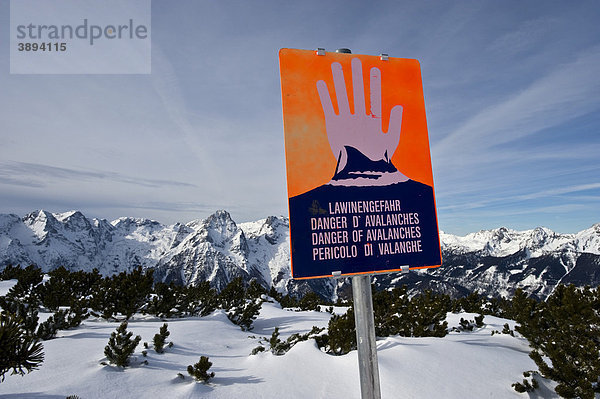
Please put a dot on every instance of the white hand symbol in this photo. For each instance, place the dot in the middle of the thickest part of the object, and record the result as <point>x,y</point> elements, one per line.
<point>359,130</point>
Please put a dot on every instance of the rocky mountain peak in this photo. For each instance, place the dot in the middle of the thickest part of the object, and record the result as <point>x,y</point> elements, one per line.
<point>74,220</point>
<point>216,249</point>
<point>41,223</point>
<point>219,228</point>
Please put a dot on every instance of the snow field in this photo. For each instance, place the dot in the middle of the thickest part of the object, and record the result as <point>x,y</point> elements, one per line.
<point>460,365</point>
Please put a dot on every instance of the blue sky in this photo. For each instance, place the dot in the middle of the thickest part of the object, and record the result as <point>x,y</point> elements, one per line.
<point>512,95</point>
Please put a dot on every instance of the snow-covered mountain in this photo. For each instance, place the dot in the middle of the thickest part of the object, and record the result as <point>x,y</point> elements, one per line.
<point>495,262</point>
<point>215,249</point>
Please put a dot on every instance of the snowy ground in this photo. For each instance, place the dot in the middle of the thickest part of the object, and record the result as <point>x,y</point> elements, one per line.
<point>461,365</point>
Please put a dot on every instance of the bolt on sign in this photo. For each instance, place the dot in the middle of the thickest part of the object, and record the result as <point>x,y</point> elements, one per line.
<point>359,177</point>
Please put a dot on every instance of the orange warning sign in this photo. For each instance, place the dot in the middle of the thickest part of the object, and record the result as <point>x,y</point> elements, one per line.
<point>360,183</point>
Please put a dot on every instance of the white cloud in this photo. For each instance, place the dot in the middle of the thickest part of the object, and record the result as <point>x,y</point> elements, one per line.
<point>571,90</point>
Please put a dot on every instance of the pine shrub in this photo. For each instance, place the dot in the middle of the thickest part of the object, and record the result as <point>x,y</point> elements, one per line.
<point>341,333</point>
<point>244,315</point>
<point>258,349</point>
<point>421,316</point>
<point>427,315</point>
<point>233,295</point>
<point>526,386</point>
<point>10,272</point>
<point>26,314</point>
<point>201,299</point>
<point>121,346</point>
<point>48,329</point>
<point>479,321</point>
<point>564,333</point>
<point>310,301</point>
<point>199,370</point>
<point>506,330</point>
<point>160,338</point>
<point>280,347</point>
<point>472,303</point>
<point>288,301</point>
<point>25,292</point>
<point>164,300</point>
<point>19,351</point>
<point>273,293</point>
<point>255,290</point>
<point>124,293</point>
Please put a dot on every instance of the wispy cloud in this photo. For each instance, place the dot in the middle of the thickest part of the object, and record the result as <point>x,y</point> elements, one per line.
<point>559,191</point>
<point>19,182</point>
<point>37,175</point>
<point>571,90</point>
<point>523,198</point>
<point>525,38</point>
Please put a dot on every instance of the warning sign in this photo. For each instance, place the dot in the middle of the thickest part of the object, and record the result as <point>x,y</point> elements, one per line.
<point>360,184</point>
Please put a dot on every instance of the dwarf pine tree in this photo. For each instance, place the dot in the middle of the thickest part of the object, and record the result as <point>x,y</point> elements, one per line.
<point>427,314</point>
<point>160,338</point>
<point>310,301</point>
<point>48,329</point>
<point>201,299</point>
<point>389,307</point>
<point>421,316</point>
<point>163,302</point>
<point>244,314</point>
<point>19,351</point>
<point>565,337</point>
<point>341,333</point>
<point>278,347</point>
<point>521,309</point>
<point>10,272</point>
<point>472,303</point>
<point>233,295</point>
<point>121,346</point>
<point>26,314</point>
<point>57,291</point>
<point>199,370</point>
<point>255,290</point>
<point>287,301</point>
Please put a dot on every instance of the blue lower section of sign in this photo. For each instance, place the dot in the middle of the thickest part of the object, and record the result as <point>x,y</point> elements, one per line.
<point>355,229</point>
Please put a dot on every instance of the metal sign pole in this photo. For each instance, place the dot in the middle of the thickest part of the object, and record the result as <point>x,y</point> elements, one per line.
<point>365,329</point>
<point>365,337</point>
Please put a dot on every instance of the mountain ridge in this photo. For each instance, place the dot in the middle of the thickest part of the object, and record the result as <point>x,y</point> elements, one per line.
<point>494,262</point>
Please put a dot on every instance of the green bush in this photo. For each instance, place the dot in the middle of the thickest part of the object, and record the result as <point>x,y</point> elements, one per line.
<point>164,300</point>
<point>341,334</point>
<point>420,316</point>
<point>25,313</point>
<point>288,301</point>
<point>48,329</point>
<point>199,370</point>
<point>200,299</point>
<point>65,288</point>
<point>19,351</point>
<point>10,272</point>
<point>472,303</point>
<point>310,301</point>
<point>233,295</point>
<point>244,314</point>
<point>280,347</point>
<point>564,333</point>
<point>255,290</point>
<point>160,338</point>
<point>526,386</point>
<point>121,346</point>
